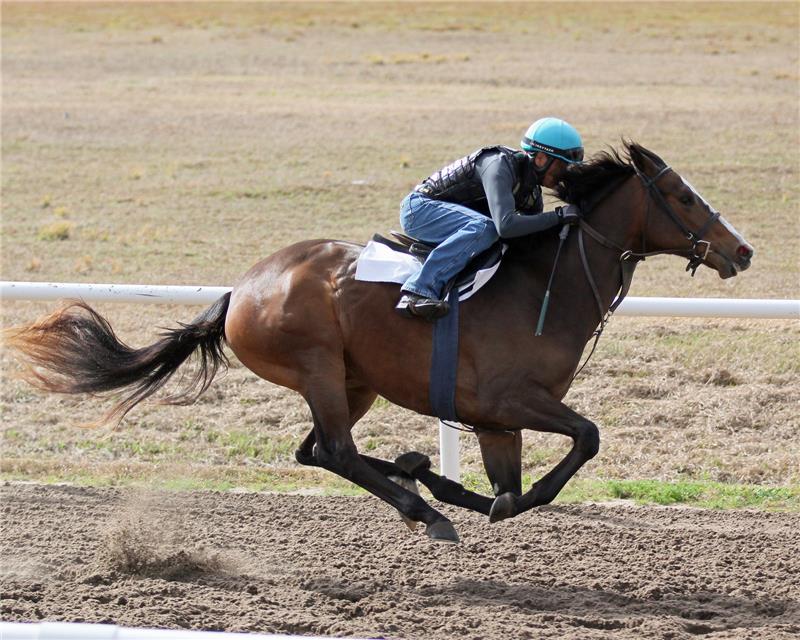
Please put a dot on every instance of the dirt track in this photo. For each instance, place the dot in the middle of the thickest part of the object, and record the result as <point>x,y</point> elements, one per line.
<point>347,566</point>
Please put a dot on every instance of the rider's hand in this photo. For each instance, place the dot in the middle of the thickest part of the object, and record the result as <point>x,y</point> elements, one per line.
<point>570,214</point>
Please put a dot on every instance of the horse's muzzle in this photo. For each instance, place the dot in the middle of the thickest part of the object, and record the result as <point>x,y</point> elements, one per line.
<point>739,262</point>
<point>743,256</point>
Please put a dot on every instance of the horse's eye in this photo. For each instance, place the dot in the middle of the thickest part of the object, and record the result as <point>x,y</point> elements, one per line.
<point>687,199</point>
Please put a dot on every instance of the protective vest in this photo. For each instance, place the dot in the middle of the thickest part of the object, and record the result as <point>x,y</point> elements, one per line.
<point>460,183</point>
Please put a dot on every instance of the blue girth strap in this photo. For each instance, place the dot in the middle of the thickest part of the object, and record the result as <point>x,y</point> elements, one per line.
<point>444,362</point>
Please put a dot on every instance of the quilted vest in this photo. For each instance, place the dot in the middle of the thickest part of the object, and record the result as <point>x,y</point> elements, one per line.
<point>460,183</point>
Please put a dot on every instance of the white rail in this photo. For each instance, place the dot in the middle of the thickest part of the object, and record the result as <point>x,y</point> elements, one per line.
<point>132,293</point>
<point>711,308</point>
<point>448,438</point>
<point>155,294</point>
<point>81,631</point>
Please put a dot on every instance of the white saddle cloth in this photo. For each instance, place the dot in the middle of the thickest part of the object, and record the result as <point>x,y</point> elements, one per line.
<point>380,263</point>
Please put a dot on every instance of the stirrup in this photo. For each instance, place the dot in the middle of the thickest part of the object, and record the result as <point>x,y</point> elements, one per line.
<point>415,247</point>
<point>416,306</point>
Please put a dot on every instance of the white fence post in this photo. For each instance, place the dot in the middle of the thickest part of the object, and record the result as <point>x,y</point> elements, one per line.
<point>449,445</point>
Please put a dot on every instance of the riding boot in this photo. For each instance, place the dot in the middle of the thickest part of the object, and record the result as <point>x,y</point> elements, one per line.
<point>412,305</point>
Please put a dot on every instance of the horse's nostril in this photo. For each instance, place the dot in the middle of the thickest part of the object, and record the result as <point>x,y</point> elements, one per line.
<point>745,251</point>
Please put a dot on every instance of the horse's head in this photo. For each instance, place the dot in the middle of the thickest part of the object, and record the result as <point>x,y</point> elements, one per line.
<point>678,220</point>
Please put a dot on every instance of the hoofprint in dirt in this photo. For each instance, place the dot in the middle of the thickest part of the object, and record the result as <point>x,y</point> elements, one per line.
<point>348,566</point>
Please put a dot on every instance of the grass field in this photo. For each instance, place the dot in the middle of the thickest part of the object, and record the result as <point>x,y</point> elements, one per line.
<point>179,143</point>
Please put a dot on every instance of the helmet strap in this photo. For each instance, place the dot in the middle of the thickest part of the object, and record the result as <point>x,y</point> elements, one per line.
<point>540,171</point>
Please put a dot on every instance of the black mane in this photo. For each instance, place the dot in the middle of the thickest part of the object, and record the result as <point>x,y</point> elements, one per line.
<point>586,183</point>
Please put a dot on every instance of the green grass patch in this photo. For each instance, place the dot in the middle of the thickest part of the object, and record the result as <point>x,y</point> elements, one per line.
<point>381,403</point>
<point>653,491</point>
<point>705,494</point>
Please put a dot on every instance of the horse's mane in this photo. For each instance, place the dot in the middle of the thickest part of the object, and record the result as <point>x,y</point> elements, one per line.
<point>583,183</point>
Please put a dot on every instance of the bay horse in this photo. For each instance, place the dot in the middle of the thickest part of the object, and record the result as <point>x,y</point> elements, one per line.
<point>300,319</point>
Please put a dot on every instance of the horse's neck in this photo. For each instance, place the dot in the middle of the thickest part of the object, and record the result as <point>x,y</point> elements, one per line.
<point>572,297</point>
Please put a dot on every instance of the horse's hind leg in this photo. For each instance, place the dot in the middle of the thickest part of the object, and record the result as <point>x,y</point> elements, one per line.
<point>359,400</point>
<point>304,455</point>
<point>335,451</point>
<point>305,452</point>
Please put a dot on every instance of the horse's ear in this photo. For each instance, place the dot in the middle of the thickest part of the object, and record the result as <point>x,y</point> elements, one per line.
<point>644,160</point>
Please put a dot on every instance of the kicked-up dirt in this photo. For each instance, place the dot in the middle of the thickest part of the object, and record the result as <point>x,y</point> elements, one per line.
<point>348,567</point>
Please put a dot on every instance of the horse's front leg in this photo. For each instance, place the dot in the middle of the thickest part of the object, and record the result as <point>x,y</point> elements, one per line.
<point>418,466</point>
<point>502,458</point>
<point>543,413</point>
<point>404,471</point>
<point>501,452</point>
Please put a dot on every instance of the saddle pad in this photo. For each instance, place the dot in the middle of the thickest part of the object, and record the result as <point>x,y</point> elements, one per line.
<point>380,263</point>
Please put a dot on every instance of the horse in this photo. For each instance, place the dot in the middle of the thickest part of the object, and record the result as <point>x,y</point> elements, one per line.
<point>300,319</point>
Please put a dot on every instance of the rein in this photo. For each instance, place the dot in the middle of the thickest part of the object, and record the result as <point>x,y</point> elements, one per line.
<point>629,259</point>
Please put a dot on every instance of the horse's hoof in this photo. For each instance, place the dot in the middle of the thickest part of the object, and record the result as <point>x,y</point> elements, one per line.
<point>305,458</point>
<point>504,506</point>
<point>442,531</point>
<point>409,484</point>
<point>413,462</point>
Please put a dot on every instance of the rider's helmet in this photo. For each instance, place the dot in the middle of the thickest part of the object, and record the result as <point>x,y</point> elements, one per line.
<point>556,138</point>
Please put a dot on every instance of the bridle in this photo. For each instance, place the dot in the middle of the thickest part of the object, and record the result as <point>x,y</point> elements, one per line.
<point>630,259</point>
<point>697,252</point>
<point>700,248</point>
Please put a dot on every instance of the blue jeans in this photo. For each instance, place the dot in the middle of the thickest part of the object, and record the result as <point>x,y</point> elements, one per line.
<point>458,232</point>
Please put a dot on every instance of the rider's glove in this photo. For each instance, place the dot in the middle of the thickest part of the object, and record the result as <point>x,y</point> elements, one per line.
<point>570,214</point>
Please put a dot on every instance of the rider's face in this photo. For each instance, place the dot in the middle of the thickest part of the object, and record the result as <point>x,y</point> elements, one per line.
<point>554,171</point>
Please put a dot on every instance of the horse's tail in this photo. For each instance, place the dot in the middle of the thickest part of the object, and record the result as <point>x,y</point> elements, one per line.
<point>75,350</point>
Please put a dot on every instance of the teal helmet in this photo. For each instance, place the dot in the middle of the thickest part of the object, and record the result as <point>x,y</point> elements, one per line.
<point>556,138</point>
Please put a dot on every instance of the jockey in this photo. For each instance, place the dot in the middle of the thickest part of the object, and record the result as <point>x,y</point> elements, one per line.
<point>465,207</point>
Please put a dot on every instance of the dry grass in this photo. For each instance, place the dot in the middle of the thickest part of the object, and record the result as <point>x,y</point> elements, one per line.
<point>180,143</point>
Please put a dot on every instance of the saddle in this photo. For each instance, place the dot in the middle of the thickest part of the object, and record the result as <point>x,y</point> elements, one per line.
<point>421,250</point>
<point>405,244</point>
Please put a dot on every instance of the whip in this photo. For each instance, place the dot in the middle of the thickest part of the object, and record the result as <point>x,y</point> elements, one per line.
<point>543,313</point>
